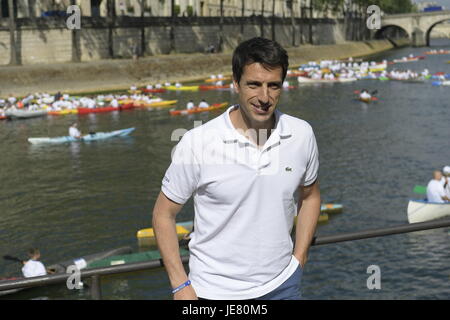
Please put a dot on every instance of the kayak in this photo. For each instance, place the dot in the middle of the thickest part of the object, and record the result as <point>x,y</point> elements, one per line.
<point>24,114</point>
<point>81,262</point>
<point>160,90</point>
<point>217,79</point>
<point>407,59</point>
<point>164,103</point>
<point>147,235</point>
<point>150,255</point>
<point>331,208</point>
<point>306,80</point>
<point>97,110</point>
<point>63,112</point>
<point>441,83</point>
<point>88,137</point>
<point>422,210</point>
<point>212,87</point>
<point>183,88</point>
<point>197,110</point>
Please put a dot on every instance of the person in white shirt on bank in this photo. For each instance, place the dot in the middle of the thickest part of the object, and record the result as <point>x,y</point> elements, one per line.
<point>243,169</point>
<point>435,189</point>
<point>33,267</point>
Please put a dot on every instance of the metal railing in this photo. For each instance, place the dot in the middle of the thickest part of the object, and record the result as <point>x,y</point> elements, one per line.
<point>96,274</point>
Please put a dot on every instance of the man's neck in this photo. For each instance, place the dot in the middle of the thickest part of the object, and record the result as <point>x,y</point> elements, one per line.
<point>259,133</point>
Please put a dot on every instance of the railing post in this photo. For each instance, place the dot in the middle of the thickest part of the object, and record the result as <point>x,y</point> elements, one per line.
<point>96,288</point>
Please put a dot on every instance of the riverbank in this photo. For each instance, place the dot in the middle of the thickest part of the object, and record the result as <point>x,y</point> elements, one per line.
<point>114,75</point>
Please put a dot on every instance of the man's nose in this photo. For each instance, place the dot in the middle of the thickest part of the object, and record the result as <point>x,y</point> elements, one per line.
<point>263,95</point>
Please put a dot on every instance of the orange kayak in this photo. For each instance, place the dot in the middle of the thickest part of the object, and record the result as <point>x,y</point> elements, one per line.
<point>198,110</point>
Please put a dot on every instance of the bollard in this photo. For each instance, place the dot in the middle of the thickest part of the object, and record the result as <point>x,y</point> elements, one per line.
<point>96,288</point>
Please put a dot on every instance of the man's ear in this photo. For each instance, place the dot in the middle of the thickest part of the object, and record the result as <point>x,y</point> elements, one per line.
<point>235,86</point>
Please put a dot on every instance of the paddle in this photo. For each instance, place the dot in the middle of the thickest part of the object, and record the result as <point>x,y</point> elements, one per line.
<point>11,258</point>
<point>420,189</point>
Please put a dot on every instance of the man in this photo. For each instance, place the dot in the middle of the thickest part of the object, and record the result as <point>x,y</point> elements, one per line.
<point>365,95</point>
<point>33,267</point>
<point>243,169</point>
<point>74,132</point>
<point>435,189</point>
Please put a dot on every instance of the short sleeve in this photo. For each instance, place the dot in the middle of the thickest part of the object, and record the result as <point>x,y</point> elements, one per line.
<point>181,178</point>
<point>312,167</point>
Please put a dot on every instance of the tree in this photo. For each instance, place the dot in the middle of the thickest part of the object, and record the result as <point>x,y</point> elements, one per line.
<point>12,34</point>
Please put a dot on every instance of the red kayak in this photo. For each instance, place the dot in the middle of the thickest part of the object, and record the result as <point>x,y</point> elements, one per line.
<point>161,90</point>
<point>207,87</point>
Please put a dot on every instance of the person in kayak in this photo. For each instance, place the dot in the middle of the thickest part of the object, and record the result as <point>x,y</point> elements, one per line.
<point>243,169</point>
<point>33,267</point>
<point>190,105</point>
<point>203,104</point>
<point>365,95</point>
<point>435,189</point>
<point>74,132</point>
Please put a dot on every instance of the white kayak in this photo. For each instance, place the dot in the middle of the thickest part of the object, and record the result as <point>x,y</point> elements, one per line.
<point>24,114</point>
<point>311,80</point>
<point>88,137</point>
<point>422,210</point>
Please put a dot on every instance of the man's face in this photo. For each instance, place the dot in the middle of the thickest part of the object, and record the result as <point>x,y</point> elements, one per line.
<point>259,91</point>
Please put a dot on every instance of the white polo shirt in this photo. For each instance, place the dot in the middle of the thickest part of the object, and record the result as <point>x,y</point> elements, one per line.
<point>244,203</point>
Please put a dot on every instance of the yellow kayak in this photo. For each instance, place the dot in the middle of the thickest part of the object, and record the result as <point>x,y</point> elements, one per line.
<point>217,79</point>
<point>63,112</point>
<point>165,103</point>
<point>183,88</point>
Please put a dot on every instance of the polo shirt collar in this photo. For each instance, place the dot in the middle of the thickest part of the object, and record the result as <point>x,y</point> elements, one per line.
<point>232,135</point>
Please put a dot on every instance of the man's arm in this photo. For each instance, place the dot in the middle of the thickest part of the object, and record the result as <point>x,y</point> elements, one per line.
<point>309,211</point>
<point>164,214</point>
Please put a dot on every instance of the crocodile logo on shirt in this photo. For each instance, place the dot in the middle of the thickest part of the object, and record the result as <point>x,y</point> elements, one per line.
<point>289,169</point>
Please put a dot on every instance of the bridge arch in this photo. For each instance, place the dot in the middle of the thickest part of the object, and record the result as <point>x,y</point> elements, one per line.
<point>430,28</point>
<point>391,31</point>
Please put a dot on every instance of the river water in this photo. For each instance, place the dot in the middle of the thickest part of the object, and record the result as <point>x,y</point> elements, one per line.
<point>75,199</point>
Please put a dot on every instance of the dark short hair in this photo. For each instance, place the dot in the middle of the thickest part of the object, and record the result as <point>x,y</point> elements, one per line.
<point>33,251</point>
<point>267,52</point>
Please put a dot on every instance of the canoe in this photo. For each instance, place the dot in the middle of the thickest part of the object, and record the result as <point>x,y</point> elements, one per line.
<point>215,106</point>
<point>217,79</point>
<point>146,256</point>
<point>160,90</point>
<point>63,112</point>
<point>422,210</point>
<point>306,80</point>
<point>97,110</point>
<point>166,103</point>
<point>24,114</point>
<point>407,60</point>
<point>212,87</point>
<point>441,83</point>
<point>331,208</point>
<point>3,117</point>
<point>81,262</point>
<point>183,88</point>
<point>88,137</point>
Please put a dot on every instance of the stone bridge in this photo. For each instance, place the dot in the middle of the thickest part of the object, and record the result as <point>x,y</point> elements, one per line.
<point>418,26</point>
